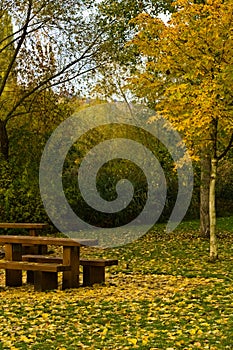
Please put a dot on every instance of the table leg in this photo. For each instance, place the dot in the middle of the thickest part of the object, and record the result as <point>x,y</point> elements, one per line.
<point>32,232</point>
<point>42,249</point>
<point>13,252</point>
<point>35,249</point>
<point>71,257</point>
<point>44,280</point>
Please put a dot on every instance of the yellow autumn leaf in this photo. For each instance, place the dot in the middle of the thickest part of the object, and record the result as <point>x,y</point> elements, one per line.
<point>192,331</point>
<point>105,331</point>
<point>25,339</point>
<point>133,341</point>
<point>145,340</point>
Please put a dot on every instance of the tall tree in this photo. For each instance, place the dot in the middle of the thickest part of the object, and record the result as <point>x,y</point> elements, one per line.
<point>50,45</point>
<point>187,76</point>
<point>8,94</point>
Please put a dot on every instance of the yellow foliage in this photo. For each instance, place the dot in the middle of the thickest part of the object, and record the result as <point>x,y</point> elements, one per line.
<point>188,74</point>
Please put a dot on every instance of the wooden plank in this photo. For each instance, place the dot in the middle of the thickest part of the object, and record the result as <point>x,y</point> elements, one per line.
<point>22,265</point>
<point>42,259</point>
<point>58,260</point>
<point>25,225</point>
<point>98,262</point>
<point>69,242</point>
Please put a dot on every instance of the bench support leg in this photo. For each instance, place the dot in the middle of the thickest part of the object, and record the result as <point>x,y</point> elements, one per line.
<point>93,274</point>
<point>13,278</point>
<point>38,249</point>
<point>30,277</point>
<point>44,280</point>
<point>70,279</point>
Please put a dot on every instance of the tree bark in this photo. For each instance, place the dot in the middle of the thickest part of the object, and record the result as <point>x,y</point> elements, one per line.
<point>212,211</point>
<point>4,141</point>
<point>204,195</point>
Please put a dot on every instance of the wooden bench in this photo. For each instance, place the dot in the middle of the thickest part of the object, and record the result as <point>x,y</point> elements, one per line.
<point>93,269</point>
<point>45,274</point>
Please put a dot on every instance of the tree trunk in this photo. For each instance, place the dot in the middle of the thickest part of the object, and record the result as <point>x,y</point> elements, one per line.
<point>4,141</point>
<point>212,211</point>
<point>204,195</point>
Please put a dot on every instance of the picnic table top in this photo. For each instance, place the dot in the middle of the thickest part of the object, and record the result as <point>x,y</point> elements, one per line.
<point>38,240</point>
<point>27,225</point>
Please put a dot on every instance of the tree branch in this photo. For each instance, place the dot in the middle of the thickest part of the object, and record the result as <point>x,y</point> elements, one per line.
<point>24,34</point>
<point>229,146</point>
<point>57,75</point>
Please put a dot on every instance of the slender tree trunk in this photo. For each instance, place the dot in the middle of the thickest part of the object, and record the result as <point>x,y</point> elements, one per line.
<point>204,195</point>
<point>212,211</point>
<point>4,141</point>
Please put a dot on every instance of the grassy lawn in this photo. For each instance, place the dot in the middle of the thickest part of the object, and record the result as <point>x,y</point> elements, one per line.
<point>164,294</point>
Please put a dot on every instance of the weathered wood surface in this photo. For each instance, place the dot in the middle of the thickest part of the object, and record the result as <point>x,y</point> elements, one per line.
<point>68,242</point>
<point>26,225</point>
<point>33,266</point>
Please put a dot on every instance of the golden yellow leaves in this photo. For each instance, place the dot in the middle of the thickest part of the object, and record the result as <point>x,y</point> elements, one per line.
<point>148,306</point>
<point>133,341</point>
<point>185,62</point>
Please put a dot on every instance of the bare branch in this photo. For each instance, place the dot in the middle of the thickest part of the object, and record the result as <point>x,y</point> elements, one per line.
<point>23,37</point>
<point>229,146</point>
<point>44,83</point>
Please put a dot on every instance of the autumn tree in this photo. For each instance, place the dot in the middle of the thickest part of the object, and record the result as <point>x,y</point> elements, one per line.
<point>48,45</point>
<point>187,77</point>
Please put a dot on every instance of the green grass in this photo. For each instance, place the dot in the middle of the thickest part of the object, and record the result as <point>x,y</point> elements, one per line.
<point>165,294</point>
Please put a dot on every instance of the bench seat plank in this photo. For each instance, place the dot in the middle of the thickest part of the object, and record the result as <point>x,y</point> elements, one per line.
<point>33,266</point>
<point>98,262</point>
<point>42,258</point>
<point>58,260</point>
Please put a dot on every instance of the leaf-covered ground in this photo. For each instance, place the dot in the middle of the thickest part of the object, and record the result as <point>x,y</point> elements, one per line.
<point>164,294</point>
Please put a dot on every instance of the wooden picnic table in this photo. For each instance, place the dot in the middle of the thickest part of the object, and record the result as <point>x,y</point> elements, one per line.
<point>33,231</point>
<point>31,227</point>
<point>45,274</point>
